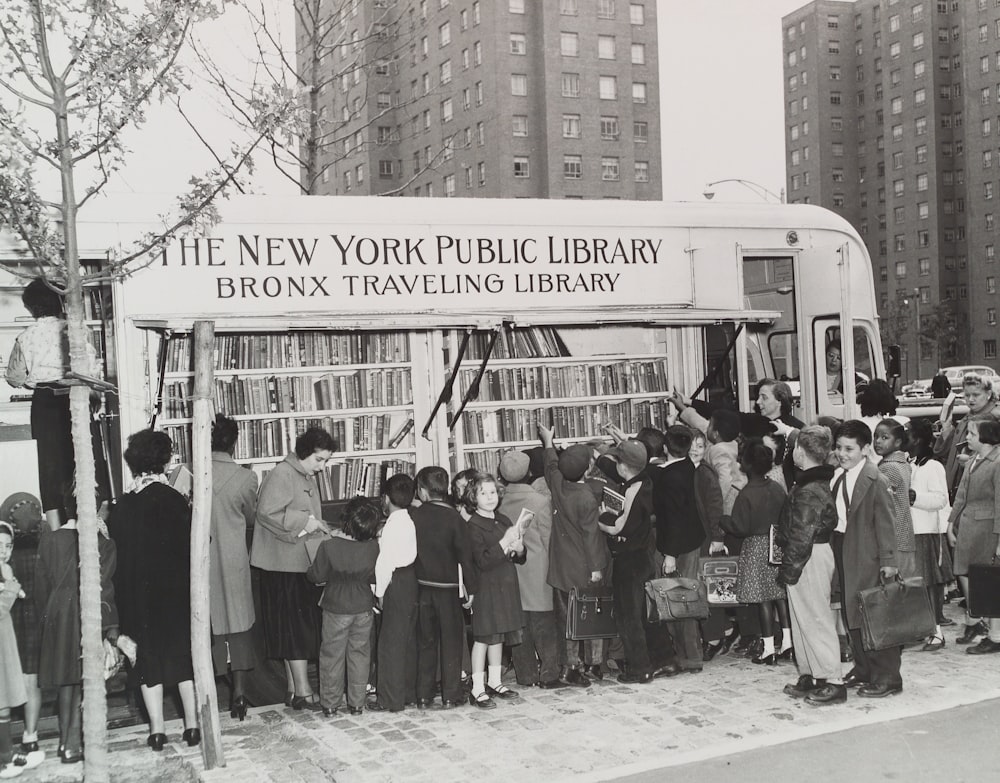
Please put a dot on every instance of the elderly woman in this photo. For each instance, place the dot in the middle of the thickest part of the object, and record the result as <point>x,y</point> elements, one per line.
<point>234,506</point>
<point>974,524</point>
<point>951,444</point>
<point>151,528</point>
<point>288,512</point>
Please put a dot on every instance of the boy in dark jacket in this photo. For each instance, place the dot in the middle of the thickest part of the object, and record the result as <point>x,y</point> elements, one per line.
<point>807,524</point>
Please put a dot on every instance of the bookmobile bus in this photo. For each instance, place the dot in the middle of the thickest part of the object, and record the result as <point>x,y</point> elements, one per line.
<point>423,331</point>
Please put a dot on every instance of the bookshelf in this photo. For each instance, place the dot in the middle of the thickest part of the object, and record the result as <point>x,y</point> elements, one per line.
<point>574,380</point>
<point>361,387</point>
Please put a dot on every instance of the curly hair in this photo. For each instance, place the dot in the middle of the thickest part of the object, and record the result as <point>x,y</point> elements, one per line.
<point>225,432</point>
<point>312,440</point>
<point>148,451</point>
<point>361,519</point>
<point>877,398</point>
<point>757,459</point>
<point>40,300</point>
<point>458,484</point>
<point>472,489</point>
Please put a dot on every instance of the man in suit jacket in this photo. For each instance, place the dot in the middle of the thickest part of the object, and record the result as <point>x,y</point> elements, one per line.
<point>679,535</point>
<point>864,546</point>
<point>578,554</point>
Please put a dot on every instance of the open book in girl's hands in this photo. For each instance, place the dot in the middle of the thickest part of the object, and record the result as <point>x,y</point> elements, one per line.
<point>524,520</point>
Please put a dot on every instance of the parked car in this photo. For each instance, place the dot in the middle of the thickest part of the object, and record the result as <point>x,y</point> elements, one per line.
<point>917,389</point>
<point>955,374</point>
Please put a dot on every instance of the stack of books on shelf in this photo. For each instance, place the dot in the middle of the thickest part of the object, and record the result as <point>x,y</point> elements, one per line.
<point>518,343</point>
<point>358,477</point>
<point>286,350</point>
<point>569,380</point>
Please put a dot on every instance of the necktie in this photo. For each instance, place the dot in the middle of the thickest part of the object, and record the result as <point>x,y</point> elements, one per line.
<point>841,483</point>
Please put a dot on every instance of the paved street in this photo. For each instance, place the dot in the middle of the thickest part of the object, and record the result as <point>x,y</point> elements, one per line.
<point>606,732</point>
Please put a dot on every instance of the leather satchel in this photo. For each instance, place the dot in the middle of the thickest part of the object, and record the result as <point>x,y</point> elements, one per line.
<point>673,598</point>
<point>590,614</point>
<point>896,612</point>
<point>984,590</point>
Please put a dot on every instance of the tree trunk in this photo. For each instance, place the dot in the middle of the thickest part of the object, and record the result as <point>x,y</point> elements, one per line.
<point>201,641</point>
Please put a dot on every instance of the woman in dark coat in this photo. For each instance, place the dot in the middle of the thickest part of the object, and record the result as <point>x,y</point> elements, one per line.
<point>496,615</point>
<point>151,526</point>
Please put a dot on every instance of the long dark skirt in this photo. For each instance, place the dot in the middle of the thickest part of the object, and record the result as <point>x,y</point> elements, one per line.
<point>933,559</point>
<point>290,615</point>
<point>153,669</point>
<point>233,652</point>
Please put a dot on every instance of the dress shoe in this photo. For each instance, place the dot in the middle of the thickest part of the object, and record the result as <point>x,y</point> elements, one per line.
<point>786,655</point>
<point>192,737</point>
<point>448,704</point>
<point>577,678</point>
<point>309,702</point>
<point>668,670</point>
<point>238,708</point>
<point>377,706</point>
<point>595,671</point>
<point>853,680</point>
<point>155,741</point>
<point>745,645</point>
<point>330,712</point>
<point>552,685</point>
<point>767,660</point>
<point>984,647</point>
<point>943,621</point>
<point>803,687</point>
<point>635,678</point>
<point>28,755</point>
<point>933,643</point>
<point>710,650</point>
<point>423,704</point>
<point>971,632</point>
<point>70,756</point>
<point>355,710</point>
<point>483,701</point>
<point>828,694</point>
<point>879,691</point>
<point>501,692</point>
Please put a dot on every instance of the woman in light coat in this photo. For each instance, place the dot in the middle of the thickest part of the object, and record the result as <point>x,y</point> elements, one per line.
<point>974,525</point>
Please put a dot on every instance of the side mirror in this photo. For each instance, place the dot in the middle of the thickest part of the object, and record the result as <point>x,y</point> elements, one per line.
<point>895,361</point>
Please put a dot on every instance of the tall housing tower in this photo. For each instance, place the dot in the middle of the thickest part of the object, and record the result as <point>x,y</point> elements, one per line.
<point>892,112</point>
<point>484,98</point>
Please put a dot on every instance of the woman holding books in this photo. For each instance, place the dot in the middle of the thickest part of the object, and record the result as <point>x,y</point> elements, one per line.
<point>289,512</point>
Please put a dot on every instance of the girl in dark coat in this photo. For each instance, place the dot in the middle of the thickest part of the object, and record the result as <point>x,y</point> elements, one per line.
<point>151,526</point>
<point>496,613</point>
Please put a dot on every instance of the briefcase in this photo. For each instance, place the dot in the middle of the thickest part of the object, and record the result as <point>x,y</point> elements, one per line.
<point>719,573</point>
<point>896,612</point>
<point>673,598</point>
<point>590,614</point>
<point>984,590</point>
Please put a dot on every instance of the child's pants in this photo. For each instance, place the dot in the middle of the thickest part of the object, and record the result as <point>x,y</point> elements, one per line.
<point>346,644</point>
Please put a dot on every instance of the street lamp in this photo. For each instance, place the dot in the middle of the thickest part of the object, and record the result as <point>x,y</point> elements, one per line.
<point>760,190</point>
<point>916,302</point>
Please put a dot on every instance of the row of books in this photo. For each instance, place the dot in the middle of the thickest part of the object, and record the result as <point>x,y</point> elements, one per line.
<point>574,380</point>
<point>359,477</point>
<point>295,393</point>
<point>519,343</point>
<point>293,349</point>
<point>570,421</point>
<point>363,433</point>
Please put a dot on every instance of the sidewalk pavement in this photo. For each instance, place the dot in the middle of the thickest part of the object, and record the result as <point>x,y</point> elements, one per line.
<point>607,731</point>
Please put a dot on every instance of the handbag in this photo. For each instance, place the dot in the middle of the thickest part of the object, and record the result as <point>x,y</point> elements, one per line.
<point>984,589</point>
<point>590,614</point>
<point>673,598</point>
<point>896,612</point>
<point>719,573</point>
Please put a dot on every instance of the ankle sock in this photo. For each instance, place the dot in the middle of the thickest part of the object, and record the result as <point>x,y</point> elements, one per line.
<point>26,737</point>
<point>495,676</point>
<point>768,646</point>
<point>786,639</point>
<point>478,683</point>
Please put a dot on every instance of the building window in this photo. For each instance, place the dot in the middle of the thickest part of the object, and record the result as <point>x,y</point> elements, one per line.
<point>446,110</point>
<point>606,47</point>
<point>385,169</point>
<point>921,153</point>
<point>899,243</point>
<point>898,187</point>
<point>921,182</point>
<point>638,54</point>
<point>572,166</point>
<point>519,124</point>
<point>521,167</point>
<point>608,88</point>
<point>571,85</point>
<point>480,134</point>
<point>605,9</point>
<point>918,40</point>
<point>516,6</point>
<point>638,92</point>
<point>991,254</point>
<point>569,44</point>
<point>991,285</point>
<point>481,171</point>
<point>518,43</point>
<point>987,190</point>
<point>518,84</point>
<point>609,169</point>
<point>640,132</point>
<point>477,53</point>
<point>923,210</point>
<point>641,171</point>
<point>900,269</point>
<point>921,126</point>
<point>384,101</point>
<point>991,319</point>
<point>637,13</point>
<point>923,238</point>
<point>444,34</point>
<point>568,7</point>
<point>571,126</point>
<point>609,129</point>
<point>449,185</point>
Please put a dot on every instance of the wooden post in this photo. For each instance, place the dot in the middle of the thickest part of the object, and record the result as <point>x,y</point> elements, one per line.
<point>201,456</point>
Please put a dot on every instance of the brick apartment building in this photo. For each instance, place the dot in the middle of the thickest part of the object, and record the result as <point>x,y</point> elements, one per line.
<point>489,98</point>
<point>892,112</point>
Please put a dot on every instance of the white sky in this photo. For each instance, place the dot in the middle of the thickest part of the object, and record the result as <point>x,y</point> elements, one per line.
<point>720,91</point>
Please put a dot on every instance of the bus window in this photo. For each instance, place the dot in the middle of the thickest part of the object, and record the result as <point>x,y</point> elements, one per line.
<point>830,361</point>
<point>769,284</point>
<point>721,385</point>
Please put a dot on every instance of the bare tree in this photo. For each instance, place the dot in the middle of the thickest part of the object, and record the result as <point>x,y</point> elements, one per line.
<point>342,51</point>
<point>74,76</point>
